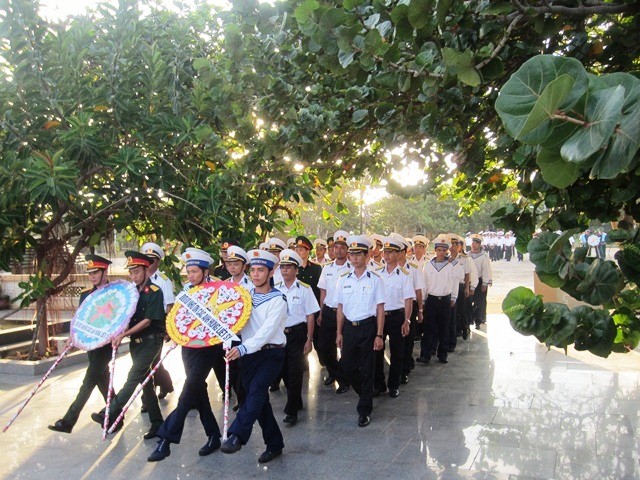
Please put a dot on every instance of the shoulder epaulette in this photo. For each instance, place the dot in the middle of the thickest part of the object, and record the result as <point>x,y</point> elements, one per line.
<point>404,270</point>
<point>380,268</point>
<point>375,273</point>
<point>163,276</point>
<point>304,284</point>
<point>328,263</point>
<point>414,265</point>
<point>154,288</point>
<point>345,273</point>
<point>86,290</point>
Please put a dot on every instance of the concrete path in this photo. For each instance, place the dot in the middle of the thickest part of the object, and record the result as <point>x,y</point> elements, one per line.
<point>502,408</point>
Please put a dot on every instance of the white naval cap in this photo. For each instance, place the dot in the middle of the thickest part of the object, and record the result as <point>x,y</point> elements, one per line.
<point>441,241</point>
<point>236,253</point>
<point>291,243</point>
<point>290,257</point>
<point>262,257</point>
<point>276,244</point>
<point>340,237</point>
<point>421,240</point>
<point>359,243</point>
<point>392,243</point>
<point>401,239</point>
<point>195,257</point>
<point>377,238</point>
<point>152,249</point>
<point>320,241</point>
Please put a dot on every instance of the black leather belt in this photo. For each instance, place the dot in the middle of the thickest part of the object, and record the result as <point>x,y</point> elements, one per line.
<point>443,297</point>
<point>147,337</point>
<point>331,308</point>
<point>269,346</point>
<point>361,323</point>
<point>295,327</point>
<point>394,312</point>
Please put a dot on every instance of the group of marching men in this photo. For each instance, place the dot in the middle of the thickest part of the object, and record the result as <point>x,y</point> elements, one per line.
<point>369,291</point>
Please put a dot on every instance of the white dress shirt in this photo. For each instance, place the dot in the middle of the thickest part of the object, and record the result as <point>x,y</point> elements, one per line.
<point>329,279</point>
<point>360,297</point>
<point>300,300</point>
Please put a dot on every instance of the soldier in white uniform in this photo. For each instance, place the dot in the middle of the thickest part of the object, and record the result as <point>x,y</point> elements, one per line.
<point>162,378</point>
<point>456,325</point>
<point>442,292</point>
<point>327,321</point>
<point>399,293</point>
<point>235,264</point>
<point>302,306</point>
<point>360,297</point>
<point>275,246</point>
<point>321,251</point>
<point>483,266</point>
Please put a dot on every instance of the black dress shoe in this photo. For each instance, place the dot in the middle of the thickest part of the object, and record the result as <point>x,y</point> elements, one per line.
<point>364,420</point>
<point>404,379</point>
<point>231,444</point>
<point>443,360</point>
<point>342,389</point>
<point>143,408</point>
<point>267,456</point>
<point>274,387</point>
<point>465,334</point>
<point>423,360</point>
<point>291,419</point>
<point>164,393</point>
<point>161,452</point>
<point>213,444</point>
<point>61,426</point>
<point>98,417</point>
<point>152,433</point>
<point>329,380</point>
<point>394,393</point>
<point>236,407</point>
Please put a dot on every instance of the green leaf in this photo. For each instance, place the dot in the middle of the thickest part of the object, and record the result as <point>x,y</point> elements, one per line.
<point>469,76</point>
<point>359,115</point>
<point>595,330</point>
<point>562,325</point>
<point>552,279</point>
<point>304,12</point>
<point>545,107</point>
<point>520,94</point>
<point>497,8</point>
<point>199,63</point>
<point>602,281</point>
<point>603,112</point>
<point>524,310</point>
<point>345,58</point>
<point>626,137</point>
<point>628,331</point>
<point>538,249</point>
<point>332,18</point>
<point>555,170</point>
<point>419,13</point>
<point>441,11</point>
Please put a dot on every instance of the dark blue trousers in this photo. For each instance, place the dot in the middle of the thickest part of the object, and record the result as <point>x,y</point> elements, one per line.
<point>198,363</point>
<point>259,370</point>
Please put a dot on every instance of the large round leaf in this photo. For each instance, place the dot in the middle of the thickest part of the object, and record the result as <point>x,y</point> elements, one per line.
<point>562,325</point>
<point>601,282</point>
<point>555,170</point>
<point>538,249</point>
<point>603,112</point>
<point>522,95</point>
<point>595,330</point>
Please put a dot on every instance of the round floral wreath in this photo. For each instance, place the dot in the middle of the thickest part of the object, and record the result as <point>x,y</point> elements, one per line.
<point>228,301</point>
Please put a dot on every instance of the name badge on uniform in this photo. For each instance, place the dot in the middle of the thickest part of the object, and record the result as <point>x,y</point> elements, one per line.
<point>367,289</point>
<point>347,287</point>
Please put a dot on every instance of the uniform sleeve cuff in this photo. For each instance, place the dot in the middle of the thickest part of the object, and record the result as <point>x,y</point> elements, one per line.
<point>242,349</point>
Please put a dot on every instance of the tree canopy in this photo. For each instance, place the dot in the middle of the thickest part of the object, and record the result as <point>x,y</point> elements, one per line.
<point>201,124</point>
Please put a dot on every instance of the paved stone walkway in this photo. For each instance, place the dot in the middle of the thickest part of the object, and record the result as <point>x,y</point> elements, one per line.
<point>502,408</point>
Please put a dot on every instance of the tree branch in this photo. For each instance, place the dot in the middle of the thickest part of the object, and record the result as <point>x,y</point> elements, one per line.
<point>502,43</point>
<point>586,9</point>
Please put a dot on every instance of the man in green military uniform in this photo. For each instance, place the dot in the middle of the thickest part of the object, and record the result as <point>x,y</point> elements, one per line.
<point>97,374</point>
<point>146,329</point>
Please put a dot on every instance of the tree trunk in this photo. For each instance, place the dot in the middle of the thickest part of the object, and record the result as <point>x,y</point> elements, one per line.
<point>43,327</point>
